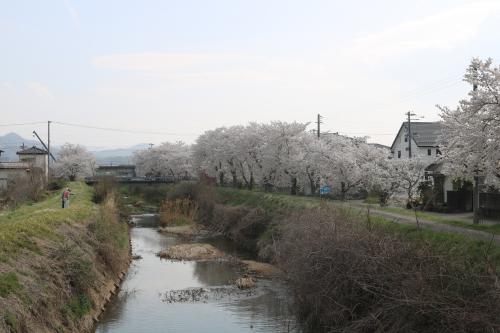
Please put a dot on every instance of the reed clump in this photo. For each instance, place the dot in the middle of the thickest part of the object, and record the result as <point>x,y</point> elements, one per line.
<point>175,212</point>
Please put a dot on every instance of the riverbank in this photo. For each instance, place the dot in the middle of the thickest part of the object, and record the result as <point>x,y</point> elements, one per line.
<point>356,272</point>
<point>59,266</point>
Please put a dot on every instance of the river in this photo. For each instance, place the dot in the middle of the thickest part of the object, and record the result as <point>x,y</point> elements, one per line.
<point>161,295</point>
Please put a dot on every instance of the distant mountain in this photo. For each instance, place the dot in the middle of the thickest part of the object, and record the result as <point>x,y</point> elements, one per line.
<point>118,155</point>
<point>11,143</point>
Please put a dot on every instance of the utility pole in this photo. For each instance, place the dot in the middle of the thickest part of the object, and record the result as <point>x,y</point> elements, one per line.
<point>319,125</point>
<point>48,150</point>
<point>475,189</point>
<point>151,145</point>
<point>409,114</point>
<point>43,144</point>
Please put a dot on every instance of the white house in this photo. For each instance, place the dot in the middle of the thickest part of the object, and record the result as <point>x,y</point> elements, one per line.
<point>29,159</point>
<point>424,145</point>
<point>424,141</point>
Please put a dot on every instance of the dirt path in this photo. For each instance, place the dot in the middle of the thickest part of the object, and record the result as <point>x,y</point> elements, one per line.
<point>435,226</point>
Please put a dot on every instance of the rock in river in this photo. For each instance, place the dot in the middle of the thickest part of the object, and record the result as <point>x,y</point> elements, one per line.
<point>193,251</point>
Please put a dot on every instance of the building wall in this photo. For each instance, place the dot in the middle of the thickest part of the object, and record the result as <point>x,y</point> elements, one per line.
<point>400,145</point>
<point>6,174</point>
<point>37,161</point>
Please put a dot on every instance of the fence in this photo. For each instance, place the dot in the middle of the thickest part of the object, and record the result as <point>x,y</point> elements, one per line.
<point>490,204</point>
<point>459,201</point>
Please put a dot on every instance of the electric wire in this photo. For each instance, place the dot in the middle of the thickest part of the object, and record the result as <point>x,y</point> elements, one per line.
<point>120,129</point>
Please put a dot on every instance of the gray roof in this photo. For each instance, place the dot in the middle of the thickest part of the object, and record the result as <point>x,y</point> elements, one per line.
<point>425,134</point>
<point>32,151</point>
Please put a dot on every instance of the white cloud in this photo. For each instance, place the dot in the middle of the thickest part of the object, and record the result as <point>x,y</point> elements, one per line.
<point>205,67</point>
<point>444,30</point>
<point>39,90</point>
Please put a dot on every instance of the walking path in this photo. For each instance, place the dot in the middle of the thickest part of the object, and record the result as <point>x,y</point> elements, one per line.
<point>433,225</point>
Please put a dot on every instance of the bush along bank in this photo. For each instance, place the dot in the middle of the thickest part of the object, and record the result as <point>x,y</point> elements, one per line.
<point>59,266</point>
<point>351,273</point>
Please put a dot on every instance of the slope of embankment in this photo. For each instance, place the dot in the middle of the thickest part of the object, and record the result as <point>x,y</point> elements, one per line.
<point>58,266</point>
<point>353,272</point>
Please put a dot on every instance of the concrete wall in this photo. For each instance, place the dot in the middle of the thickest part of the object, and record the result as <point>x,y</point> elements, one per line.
<point>37,161</point>
<point>6,174</point>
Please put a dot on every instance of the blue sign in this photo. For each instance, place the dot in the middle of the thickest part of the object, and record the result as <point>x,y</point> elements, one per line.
<point>324,190</point>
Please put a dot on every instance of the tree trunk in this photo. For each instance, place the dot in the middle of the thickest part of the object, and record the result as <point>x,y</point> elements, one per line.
<point>343,191</point>
<point>293,188</point>
<point>221,178</point>
<point>235,178</point>
<point>252,181</point>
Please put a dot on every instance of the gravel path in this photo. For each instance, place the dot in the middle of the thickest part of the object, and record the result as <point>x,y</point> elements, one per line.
<point>436,226</point>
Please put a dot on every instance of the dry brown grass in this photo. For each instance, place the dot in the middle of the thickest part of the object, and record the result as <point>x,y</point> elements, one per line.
<point>352,278</point>
<point>178,212</point>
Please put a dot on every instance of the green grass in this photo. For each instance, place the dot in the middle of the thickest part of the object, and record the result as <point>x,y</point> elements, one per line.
<point>20,227</point>
<point>11,321</point>
<point>444,243</point>
<point>491,228</point>
<point>78,306</point>
<point>273,203</point>
<point>9,284</point>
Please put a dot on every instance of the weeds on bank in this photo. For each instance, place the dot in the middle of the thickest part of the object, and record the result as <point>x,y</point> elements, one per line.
<point>352,276</point>
<point>178,212</point>
<point>111,235</point>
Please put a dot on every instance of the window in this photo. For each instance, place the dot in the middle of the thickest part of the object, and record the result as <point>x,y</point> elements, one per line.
<point>399,153</point>
<point>429,151</point>
<point>406,138</point>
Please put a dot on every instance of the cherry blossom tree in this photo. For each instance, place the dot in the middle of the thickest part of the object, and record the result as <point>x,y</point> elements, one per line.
<point>74,162</point>
<point>166,160</point>
<point>471,132</point>
<point>410,173</point>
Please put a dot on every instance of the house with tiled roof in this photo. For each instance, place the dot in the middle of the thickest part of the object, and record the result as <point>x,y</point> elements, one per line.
<point>424,141</point>
<point>30,159</point>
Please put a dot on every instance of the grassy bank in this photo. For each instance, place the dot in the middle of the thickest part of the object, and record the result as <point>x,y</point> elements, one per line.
<point>354,273</point>
<point>55,263</point>
<point>439,218</point>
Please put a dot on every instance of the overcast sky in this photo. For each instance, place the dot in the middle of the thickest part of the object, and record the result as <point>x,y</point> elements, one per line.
<point>182,67</point>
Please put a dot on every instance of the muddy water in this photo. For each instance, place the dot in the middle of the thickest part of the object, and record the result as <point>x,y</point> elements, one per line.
<point>170,296</point>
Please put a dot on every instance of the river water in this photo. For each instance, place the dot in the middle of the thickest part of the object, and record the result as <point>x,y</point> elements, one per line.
<point>160,295</point>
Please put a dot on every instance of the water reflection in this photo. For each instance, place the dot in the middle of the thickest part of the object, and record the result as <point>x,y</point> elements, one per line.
<point>139,307</point>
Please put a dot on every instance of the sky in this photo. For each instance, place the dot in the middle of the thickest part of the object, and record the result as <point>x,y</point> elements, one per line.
<point>169,70</point>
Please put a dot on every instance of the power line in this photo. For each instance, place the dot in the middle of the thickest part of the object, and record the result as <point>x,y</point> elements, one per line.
<point>120,129</point>
<point>433,86</point>
<point>23,124</point>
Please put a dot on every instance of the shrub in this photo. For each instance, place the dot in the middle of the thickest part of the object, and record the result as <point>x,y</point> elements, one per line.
<point>28,187</point>
<point>56,184</point>
<point>103,188</point>
<point>352,278</point>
